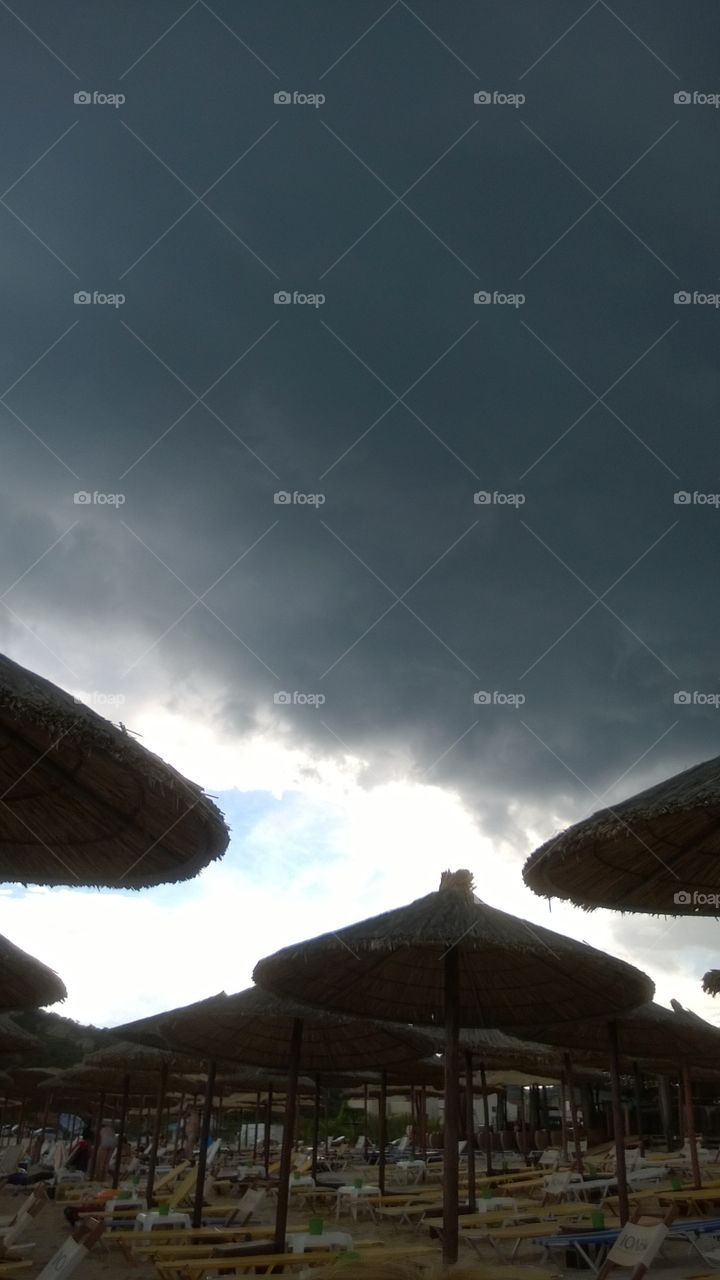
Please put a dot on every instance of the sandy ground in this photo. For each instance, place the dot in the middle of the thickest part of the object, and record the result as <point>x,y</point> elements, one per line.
<point>51,1229</point>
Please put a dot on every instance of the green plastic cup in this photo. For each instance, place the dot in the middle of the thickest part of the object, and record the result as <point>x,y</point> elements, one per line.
<point>163,1208</point>
<point>598,1220</point>
<point>676,1184</point>
<point>358,1183</point>
<point>315,1227</point>
<point>487,1194</point>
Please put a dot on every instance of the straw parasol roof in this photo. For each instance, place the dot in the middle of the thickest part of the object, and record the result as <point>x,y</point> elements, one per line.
<point>512,973</point>
<point>138,1058</point>
<point>649,1032</point>
<point>25,983</point>
<point>255,1028</point>
<point>15,1039</point>
<point>711,982</point>
<point>148,1031</point>
<point>655,852</point>
<point>27,1080</point>
<point>109,1080</point>
<point>84,803</point>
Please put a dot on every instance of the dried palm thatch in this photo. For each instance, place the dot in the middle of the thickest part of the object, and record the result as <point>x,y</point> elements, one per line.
<point>15,1039</point>
<point>512,974</point>
<point>255,1028</point>
<point>711,982</point>
<point>655,852</point>
<point>649,1033</point>
<point>83,1079</point>
<point>84,803</point>
<point>25,983</point>
<point>139,1058</point>
<point>148,1031</point>
<point>27,1080</point>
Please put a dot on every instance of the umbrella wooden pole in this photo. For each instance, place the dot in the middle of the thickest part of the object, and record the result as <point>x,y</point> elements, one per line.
<point>92,1165</point>
<point>121,1131</point>
<point>162,1087</point>
<point>43,1126</point>
<point>574,1113</point>
<point>268,1127</point>
<point>423,1121</point>
<point>486,1118</point>
<point>470,1128</point>
<point>383,1132</point>
<point>665,1106</point>
<point>618,1124</point>
<point>286,1151</point>
<point>365,1120</point>
<point>179,1125</point>
<point>690,1122</point>
<point>316,1128</point>
<point>257,1122</point>
<point>204,1135</point>
<point>451,1160</point>
<point>638,1108</point>
<point>563,1120</point>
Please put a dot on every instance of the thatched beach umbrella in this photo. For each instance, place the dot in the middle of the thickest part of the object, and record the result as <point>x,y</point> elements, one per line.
<point>655,852</point>
<point>450,959</point>
<point>652,1033</point>
<point>255,1028</point>
<point>84,803</point>
<point>137,1059</point>
<point>106,1080</point>
<point>15,1039</point>
<point>25,983</point>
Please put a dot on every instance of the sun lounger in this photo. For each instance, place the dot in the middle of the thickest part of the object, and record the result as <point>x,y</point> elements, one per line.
<point>265,1264</point>
<point>73,1252</point>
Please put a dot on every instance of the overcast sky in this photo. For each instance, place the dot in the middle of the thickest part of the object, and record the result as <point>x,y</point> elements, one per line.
<point>247,526</point>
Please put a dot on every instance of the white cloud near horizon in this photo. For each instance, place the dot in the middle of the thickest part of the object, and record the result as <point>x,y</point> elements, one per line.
<point>312,849</point>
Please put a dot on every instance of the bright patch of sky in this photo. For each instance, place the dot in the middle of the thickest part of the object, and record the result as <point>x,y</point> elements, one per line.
<point>312,848</point>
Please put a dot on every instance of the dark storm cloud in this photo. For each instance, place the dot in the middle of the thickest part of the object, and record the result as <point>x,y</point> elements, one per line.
<point>197,398</point>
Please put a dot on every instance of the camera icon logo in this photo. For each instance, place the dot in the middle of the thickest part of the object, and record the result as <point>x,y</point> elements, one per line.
<point>82,498</point>
<point>682,898</point>
<point>282,298</point>
<point>481,498</point>
<point>682,298</point>
<point>482,298</point>
<point>681,498</point>
<point>682,97</point>
<point>682,699</point>
<point>82,297</point>
<point>82,97</point>
<point>482,98</point>
<point>282,699</point>
<point>282,97</point>
<point>281,498</point>
<point>482,699</point>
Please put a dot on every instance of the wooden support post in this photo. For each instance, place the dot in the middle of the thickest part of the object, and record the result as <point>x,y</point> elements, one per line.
<point>618,1125</point>
<point>316,1128</point>
<point>286,1152</point>
<point>486,1117</point>
<point>574,1113</point>
<point>690,1123</point>
<point>121,1131</point>
<point>162,1087</point>
<point>268,1126</point>
<point>451,1162</point>
<point>470,1128</point>
<point>382,1143</point>
<point>204,1135</point>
